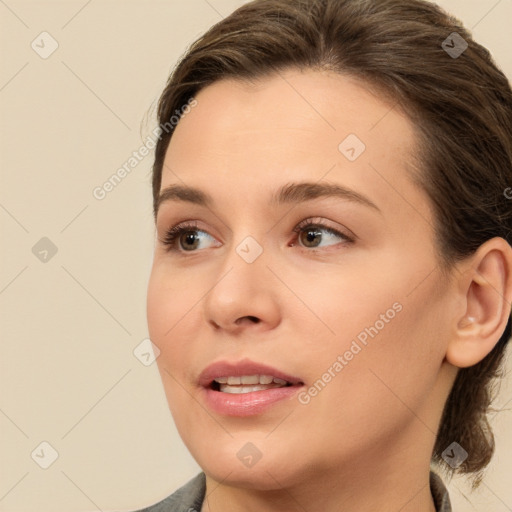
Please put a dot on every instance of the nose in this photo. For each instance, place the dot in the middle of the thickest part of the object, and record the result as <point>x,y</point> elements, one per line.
<point>245,296</point>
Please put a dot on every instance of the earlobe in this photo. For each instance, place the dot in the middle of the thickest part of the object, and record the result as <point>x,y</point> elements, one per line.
<point>486,287</point>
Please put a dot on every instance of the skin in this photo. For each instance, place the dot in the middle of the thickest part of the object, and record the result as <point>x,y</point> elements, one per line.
<point>364,442</point>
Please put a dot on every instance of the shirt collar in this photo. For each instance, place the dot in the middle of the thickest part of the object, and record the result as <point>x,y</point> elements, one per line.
<point>191,495</point>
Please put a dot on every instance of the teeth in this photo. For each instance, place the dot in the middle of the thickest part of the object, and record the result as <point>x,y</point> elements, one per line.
<point>231,384</point>
<point>249,379</point>
<point>226,388</point>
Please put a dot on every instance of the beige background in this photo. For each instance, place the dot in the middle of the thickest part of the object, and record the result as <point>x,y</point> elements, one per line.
<point>68,374</point>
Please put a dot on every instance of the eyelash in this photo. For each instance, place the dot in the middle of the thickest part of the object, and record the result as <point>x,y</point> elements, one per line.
<point>172,235</point>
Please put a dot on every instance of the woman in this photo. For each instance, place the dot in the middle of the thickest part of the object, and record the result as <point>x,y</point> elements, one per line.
<point>332,281</point>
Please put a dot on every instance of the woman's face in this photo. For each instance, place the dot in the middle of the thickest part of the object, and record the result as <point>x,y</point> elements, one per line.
<point>332,286</point>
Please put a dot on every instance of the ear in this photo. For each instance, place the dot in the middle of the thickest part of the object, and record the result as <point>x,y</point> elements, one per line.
<point>485,287</point>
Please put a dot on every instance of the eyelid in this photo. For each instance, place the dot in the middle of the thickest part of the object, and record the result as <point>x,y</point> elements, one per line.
<point>321,222</point>
<point>171,237</point>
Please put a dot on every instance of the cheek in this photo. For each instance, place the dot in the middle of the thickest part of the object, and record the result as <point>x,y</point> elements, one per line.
<point>391,341</point>
<point>391,375</point>
<point>381,390</point>
<point>171,297</point>
<point>337,304</point>
<point>173,307</point>
<point>159,318</point>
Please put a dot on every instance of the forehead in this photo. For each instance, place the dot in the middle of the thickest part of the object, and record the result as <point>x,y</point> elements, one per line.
<point>324,103</point>
<point>292,126</point>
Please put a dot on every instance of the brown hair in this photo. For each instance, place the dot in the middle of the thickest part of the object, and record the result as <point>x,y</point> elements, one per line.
<point>461,106</point>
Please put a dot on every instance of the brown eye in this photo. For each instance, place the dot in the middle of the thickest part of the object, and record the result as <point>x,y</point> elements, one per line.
<point>310,237</point>
<point>186,238</point>
<point>189,240</point>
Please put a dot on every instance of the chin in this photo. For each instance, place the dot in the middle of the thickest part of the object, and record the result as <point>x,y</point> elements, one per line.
<point>240,463</point>
<point>262,476</point>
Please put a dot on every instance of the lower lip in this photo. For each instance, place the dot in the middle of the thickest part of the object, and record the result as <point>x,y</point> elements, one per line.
<point>247,404</point>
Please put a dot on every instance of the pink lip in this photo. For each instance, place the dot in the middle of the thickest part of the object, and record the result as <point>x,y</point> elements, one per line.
<point>244,404</point>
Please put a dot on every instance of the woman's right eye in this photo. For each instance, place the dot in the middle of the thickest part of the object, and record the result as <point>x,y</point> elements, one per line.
<point>185,238</point>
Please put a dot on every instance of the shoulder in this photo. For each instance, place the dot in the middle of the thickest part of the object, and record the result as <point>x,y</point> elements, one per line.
<point>188,498</point>
<point>439,493</point>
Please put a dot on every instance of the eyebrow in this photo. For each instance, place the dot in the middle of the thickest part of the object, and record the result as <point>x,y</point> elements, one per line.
<point>289,193</point>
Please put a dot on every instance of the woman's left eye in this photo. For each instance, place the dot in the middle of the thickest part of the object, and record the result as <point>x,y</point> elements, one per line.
<point>188,237</point>
<point>309,233</point>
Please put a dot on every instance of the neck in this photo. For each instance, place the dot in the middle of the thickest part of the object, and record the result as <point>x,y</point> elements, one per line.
<point>358,489</point>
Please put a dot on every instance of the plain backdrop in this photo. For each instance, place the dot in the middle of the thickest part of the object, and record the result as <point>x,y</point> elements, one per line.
<point>74,268</point>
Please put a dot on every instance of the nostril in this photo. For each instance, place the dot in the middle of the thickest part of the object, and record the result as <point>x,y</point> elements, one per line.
<point>253,319</point>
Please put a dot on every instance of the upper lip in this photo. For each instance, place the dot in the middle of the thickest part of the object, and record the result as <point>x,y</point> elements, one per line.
<point>239,368</point>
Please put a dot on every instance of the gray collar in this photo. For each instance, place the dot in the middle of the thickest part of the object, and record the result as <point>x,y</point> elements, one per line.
<point>190,497</point>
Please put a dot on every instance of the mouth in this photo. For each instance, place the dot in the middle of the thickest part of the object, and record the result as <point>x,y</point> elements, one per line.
<point>244,376</point>
<point>246,388</point>
<point>248,383</point>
